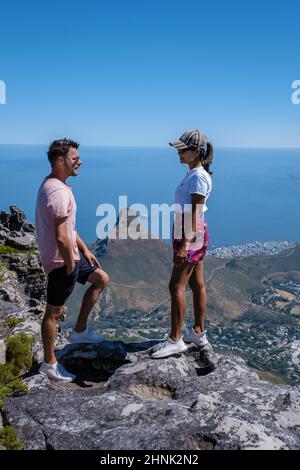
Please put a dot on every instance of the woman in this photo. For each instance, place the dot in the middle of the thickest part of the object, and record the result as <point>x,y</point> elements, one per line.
<point>190,242</point>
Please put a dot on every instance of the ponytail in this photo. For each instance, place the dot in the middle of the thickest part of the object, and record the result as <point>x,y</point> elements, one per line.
<point>206,157</point>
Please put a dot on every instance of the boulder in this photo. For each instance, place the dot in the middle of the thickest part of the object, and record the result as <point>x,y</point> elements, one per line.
<point>4,219</point>
<point>28,227</point>
<point>17,218</point>
<point>147,404</point>
<point>4,233</point>
<point>21,242</point>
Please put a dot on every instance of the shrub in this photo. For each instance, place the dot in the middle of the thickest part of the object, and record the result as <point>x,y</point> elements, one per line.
<point>9,250</point>
<point>18,355</point>
<point>12,322</point>
<point>18,352</point>
<point>9,439</point>
<point>9,383</point>
<point>2,267</point>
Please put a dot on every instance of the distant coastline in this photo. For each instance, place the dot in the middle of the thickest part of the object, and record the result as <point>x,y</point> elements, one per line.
<point>251,249</point>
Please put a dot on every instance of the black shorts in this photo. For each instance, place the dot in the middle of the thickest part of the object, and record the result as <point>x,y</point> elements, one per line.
<point>60,285</point>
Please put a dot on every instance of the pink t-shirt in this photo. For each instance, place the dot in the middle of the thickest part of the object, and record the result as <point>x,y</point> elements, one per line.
<point>55,200</point>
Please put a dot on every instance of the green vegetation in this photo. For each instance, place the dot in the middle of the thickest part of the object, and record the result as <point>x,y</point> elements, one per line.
<point>12,322</point>
<point>19,353</point>
<point>124,339</point>
<point>8,250</point>
<point>18,356</point>
<point>9,383</point>
<point>2,269</point>
<point>269,377</point>
<point>9,439</point>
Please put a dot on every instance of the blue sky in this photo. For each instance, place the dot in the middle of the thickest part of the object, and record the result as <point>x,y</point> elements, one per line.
<point>141,72</point>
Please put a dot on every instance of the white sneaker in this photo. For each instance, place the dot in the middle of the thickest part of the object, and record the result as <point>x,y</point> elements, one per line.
<point>86,336</point>
<point>169,347</point>
<point>192,337</point>
<point>56,372</point>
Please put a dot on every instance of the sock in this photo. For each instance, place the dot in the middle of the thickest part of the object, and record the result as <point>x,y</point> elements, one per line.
<point>199,334</point>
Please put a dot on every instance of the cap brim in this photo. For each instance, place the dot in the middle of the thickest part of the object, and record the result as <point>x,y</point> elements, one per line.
<point>178,144</point>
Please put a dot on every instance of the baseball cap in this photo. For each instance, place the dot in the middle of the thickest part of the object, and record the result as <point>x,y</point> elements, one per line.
<point>194,139</point>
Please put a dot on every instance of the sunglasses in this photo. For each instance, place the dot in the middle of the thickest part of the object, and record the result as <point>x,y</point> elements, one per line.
<point>182,151</point>
<point>74,160</point>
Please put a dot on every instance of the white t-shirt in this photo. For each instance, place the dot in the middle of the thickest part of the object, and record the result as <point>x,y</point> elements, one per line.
<point>196,181</point>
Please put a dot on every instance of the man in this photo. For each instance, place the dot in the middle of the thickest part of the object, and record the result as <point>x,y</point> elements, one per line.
<point>65,257</point>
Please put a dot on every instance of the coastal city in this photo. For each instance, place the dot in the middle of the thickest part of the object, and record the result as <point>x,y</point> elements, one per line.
<point>275,349</point>
<point>248,249</point>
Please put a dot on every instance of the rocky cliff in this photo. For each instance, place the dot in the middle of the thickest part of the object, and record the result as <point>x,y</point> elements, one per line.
<point>22,278</point>
<point>123,399</point>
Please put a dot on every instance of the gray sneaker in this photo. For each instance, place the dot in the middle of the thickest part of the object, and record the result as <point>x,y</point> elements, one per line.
<point>56,372</point>
<point>168,348</point>
<point>192,337</point>
<point>87,336</point>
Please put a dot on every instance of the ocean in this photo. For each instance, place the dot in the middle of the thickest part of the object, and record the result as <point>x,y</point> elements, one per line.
<point>255,197</point>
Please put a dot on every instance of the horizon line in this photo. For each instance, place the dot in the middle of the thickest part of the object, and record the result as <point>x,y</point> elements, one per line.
<point>161,146</point>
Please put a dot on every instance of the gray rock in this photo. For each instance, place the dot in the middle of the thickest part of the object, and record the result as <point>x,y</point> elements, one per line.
<point>156,404</point>
<point>2,351</point>
<point>11,290</point>
<point>29,278</point>
<point>4,218</point>
<point>28,227</point>
<point>4,233</point>
<point>21,242</point>
<point>17,218</point>
<point>8,310</point>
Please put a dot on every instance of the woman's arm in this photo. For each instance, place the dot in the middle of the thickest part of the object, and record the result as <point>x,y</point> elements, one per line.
<point>191,223</point>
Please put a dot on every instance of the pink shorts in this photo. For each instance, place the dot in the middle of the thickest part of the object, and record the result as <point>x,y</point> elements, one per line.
<point>194,256</point>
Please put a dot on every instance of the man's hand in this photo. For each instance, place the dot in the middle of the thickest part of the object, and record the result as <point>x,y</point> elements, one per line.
<point>91,258</point>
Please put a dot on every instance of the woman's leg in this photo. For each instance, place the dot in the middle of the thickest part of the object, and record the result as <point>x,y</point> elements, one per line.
<point>179,279</point>
<point>197,284</point>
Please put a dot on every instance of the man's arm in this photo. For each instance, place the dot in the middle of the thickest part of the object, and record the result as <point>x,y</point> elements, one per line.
<point>86,252</point>
<point>81,245</point>
<point>64,243</point>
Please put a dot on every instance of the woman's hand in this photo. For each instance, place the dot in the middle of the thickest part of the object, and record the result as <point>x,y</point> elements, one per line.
<point>181,256</point>
<point>91,258</point>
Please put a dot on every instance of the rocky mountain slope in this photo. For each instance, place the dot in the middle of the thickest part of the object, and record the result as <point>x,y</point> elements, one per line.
<point>123,399</point>
<point>253,302</point>
<point>140,272</point>
<point>178,403</point>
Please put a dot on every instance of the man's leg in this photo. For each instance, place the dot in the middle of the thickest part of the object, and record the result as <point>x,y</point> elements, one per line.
<point>98,279</point>
<point>49,328</point>
<point>199,296</point>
